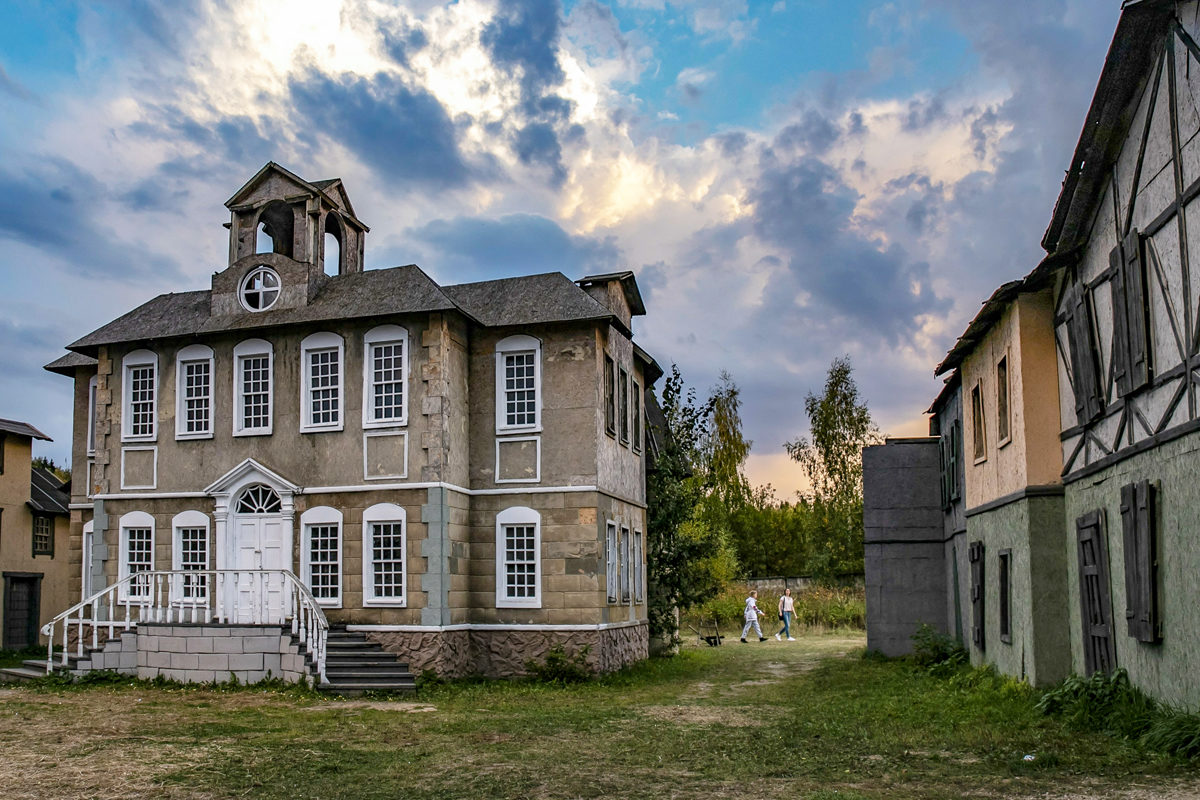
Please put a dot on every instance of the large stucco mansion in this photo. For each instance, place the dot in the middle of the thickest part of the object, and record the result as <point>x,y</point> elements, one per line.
<point>457,472</point>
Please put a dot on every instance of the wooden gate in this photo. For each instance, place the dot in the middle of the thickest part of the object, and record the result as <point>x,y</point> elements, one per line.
<point>1094,596</point>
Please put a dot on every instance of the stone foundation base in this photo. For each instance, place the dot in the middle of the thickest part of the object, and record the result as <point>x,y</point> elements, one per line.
<point>504,653</point>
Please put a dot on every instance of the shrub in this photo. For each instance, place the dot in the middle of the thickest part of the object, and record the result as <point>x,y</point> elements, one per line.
<point>1174,732</point>
<point>936,651</point>
<point>1102,702</point>
<point>560,668</point>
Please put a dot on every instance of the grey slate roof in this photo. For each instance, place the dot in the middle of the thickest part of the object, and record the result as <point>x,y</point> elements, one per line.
<point>549,297</point>
<point>374,292</point>
<point>22,429</point>
<point>66,364</point>
<point>46,492</point>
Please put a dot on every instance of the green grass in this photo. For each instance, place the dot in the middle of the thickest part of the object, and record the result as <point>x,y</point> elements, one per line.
<point>809,719</point>
<point>13,658</point>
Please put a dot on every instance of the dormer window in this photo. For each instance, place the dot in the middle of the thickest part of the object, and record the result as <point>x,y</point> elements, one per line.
<point>260,289</point>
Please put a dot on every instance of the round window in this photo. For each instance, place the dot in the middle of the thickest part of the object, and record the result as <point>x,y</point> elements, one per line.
<point>260,289</point>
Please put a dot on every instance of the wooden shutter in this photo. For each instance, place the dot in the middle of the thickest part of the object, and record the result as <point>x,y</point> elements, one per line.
<point>1120,335</point>
<point>1094,600</point>
<point>955,449</point>
<point>1084,369</point>
<point>975,556</point>
<point>1135,310</point>
<point>944,465</point>
<point>1141,563</point>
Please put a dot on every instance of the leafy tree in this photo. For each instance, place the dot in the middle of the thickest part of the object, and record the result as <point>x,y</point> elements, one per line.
<point>688,557</point>
<point>841,426</point>
<point>44,462</point>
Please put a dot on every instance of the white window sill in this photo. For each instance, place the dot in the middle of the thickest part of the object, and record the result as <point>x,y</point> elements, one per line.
<point>184,437</point>
<point>523,429</point>
<point>388,602</point>
<point>377,424</point>
<point>506,603</point>
<point>139,439</point>
<point>329,602</point>
<point>253,432</point>
<point>322,428</point>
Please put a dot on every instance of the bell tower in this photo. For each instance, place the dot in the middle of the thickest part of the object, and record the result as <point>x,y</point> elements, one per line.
<point>310,223</point>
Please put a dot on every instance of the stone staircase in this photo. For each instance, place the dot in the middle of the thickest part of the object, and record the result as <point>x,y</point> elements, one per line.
<point>354,665</point>
<point>32,669</point>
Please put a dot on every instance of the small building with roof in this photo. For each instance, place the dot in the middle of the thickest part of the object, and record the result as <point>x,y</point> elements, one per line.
<point>34,530</point>
<point>455,474</point>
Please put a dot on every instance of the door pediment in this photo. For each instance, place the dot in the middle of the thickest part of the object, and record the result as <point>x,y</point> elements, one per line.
<point>247,472</point>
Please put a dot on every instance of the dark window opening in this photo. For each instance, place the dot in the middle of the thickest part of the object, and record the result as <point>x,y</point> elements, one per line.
<point>1002,418</point>
<point>623,401</point>
<point>276,228</point>
<point>43,535</point>
<point>610,397</point>
<point>975,558</point>
<point>977,431</point>
<point>1005,596</point>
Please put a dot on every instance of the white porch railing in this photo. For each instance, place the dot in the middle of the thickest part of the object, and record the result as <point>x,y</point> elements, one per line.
<point>224,597</point>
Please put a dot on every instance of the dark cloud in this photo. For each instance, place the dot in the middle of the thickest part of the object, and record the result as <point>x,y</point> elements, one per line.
<point>54,208</point>
<point>804,208</point>
<point>473,248</point>
<point>523,40</point>
<point>402,132</point>
<point>400,40</point>
<point>238,139</point>
<point>923,112</point>
<point>732,144</point>
<point>537,144</point>
<point>815,133</point>
<point>857,126</point>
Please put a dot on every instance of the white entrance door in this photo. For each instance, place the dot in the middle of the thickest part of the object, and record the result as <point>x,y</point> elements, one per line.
<point>259,597</point>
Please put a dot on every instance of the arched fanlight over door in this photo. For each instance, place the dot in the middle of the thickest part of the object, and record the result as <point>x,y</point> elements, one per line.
<point>258,499</point>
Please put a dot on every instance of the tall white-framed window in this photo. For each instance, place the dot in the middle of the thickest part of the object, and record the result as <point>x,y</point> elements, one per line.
<point>321,556</point>
<point>518,558</point>
<point>321,398</point>
<point>253,363</point>
<point>139,390</point>
<point>136,544</point>
<point>384,558</point>
<point>626,565</point>
<point>612,567</point>
<point>93,388</point>
<point>194,392</point>
<point>518,384</point>
<point>639,567</point>
<point>385,377</point>
<point>190,553</point>
<point>85,584</point>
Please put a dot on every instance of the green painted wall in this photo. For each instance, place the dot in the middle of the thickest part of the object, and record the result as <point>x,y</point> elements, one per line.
<point>1032,528</point>
<point>1168,670</point>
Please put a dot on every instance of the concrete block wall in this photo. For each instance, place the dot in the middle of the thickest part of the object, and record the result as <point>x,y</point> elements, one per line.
<point>904,542</point>
<point>203,653</point>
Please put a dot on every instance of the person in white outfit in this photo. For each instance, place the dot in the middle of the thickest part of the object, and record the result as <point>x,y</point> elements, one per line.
<point>752,614</point>
<point>787,607</point>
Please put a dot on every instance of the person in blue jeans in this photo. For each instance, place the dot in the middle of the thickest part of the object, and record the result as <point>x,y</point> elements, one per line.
<point>787,607</point>
<point>751,616</point>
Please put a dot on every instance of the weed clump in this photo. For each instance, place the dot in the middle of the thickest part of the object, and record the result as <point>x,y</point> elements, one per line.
<point>560,668</point>
<point>937,652</point>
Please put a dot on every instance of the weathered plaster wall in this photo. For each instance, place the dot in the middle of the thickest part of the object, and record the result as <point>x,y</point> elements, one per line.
<point>1166,671</point>
<point>904,554</point>
<point>1035,389</point>
<point>1032,529</point>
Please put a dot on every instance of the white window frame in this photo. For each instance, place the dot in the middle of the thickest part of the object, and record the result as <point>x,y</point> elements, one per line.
<point>323,516</point>
<point>391,513</point>
<point>382,335</point>
<point>244,283</point>
<point>192,354</point>
<point>138,358</point>
<point>514,345</point>
<point>612,567</point>
<point>639,567</point>
<point>87,542</point>
<point>321,342</point>
<point>93,389</point>
<point>133,519</point>
<point>247,349</point>
<point>626,571</point>
<point>189,519</point>
<point>523,516</point>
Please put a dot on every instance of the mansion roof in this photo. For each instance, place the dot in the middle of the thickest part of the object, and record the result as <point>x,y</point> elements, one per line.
<point>549,297</point>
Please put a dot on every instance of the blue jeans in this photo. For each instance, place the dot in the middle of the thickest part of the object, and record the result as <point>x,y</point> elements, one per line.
<point>786,630</point>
